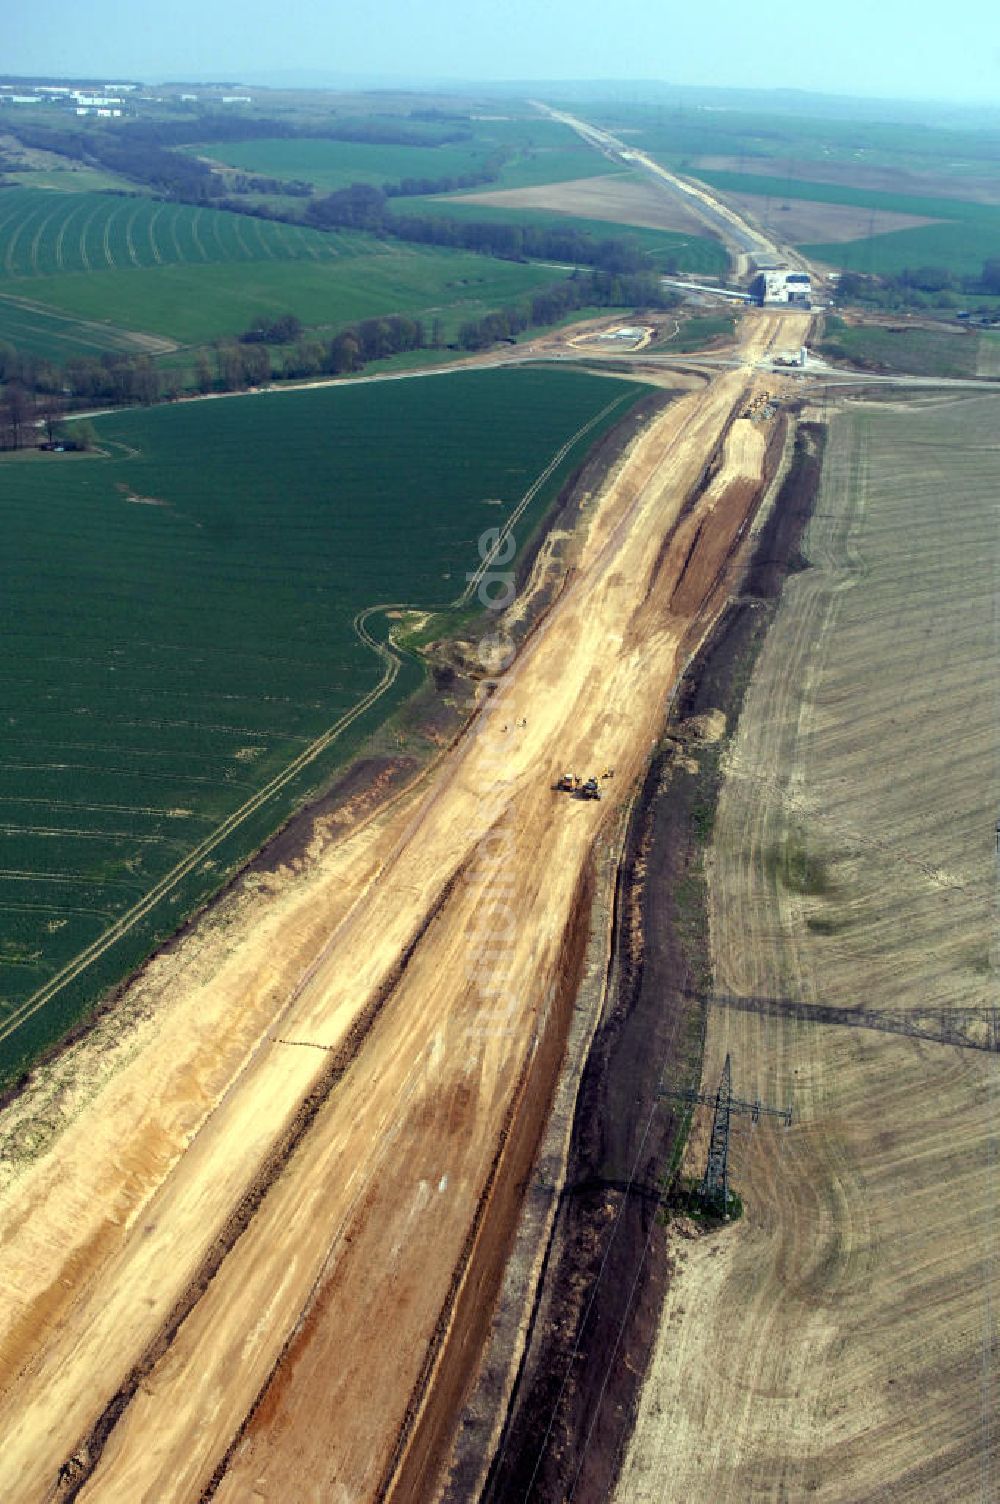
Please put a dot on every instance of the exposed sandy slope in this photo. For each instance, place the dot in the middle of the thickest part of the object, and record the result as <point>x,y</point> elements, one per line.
<point>415,1003</point>
<point>840,1343</point>
<point>625,200</point>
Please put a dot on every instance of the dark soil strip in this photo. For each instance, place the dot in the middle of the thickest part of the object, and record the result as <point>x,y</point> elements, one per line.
<point>608,1265</point>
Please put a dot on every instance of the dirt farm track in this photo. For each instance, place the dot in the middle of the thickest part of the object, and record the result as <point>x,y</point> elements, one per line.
<point>298,1185</point>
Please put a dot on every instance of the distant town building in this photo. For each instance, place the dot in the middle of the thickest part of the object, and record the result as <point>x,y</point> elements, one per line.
<point>236,99</point>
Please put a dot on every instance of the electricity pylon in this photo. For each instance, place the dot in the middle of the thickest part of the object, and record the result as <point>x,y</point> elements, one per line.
<point>713,1192</point>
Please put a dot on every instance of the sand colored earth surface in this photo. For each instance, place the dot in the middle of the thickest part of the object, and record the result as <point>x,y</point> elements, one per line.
<point>854,174</point>
<point>622,199</point>
<point>840,1342</point>
<point>798,220</point>
<point>241,1265</point>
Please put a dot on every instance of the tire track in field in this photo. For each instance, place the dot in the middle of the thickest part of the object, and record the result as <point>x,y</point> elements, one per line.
<point>12,243</point>
<point>304,240</point>
<point>108,256</point>
<point>267,251</point>
<point>174,217</point>
<point>391,661</point>
<point>83,236</point>
<point>9,219</point>
<point>162,812</point>
<point>150,228</point>
<point>195,237</point>
<point>515,516</point>
<point>60,238</point>
<point>214,222</point>
<point>37,240</point>
<point>238,237</point>
<point>129,242</point>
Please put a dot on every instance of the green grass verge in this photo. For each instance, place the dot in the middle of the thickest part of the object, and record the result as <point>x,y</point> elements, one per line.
<point>696,333</point>
<point>921,352</point>
<point>194,304</point>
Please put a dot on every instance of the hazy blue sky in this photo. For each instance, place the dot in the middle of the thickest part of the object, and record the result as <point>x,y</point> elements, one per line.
<point>892,48</point>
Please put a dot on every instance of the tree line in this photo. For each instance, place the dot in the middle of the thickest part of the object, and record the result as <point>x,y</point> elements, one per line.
<point>919,287</point>
<point>145,150</point>
<point>364,207</point>
<point>596,290</point>
<point>36,391</point>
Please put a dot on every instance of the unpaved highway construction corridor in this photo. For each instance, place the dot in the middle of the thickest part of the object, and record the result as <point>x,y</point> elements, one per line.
<point>257,1263</point>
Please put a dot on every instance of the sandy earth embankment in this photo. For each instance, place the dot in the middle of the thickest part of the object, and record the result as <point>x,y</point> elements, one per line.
<point>260,1219</point>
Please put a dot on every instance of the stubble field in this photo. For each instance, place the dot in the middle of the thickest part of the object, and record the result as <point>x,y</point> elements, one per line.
<point>840,1342</point>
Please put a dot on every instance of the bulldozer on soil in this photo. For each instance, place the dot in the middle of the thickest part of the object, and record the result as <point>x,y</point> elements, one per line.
<point>580,788</point>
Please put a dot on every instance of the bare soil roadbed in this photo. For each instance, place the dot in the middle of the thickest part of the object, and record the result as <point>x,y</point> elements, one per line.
<point>252,1263</point>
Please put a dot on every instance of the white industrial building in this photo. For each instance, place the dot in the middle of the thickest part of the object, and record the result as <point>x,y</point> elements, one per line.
<point>781,285</point>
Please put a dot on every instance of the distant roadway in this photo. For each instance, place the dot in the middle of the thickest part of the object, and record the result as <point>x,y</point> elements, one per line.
<point>741,236</point>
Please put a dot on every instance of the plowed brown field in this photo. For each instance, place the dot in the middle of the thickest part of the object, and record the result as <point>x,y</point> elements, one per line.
<point>616,197</point>
<point>252,1262</point>
<point>840,1342</point>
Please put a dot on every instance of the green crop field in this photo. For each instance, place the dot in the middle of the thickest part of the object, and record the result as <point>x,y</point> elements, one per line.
<point>329,165</point>
<point>877,200</point>
<point>30,326</point>
<point>960,247</point>
<point>44,233</point>
<point>968,235</point>
<point>189,275</point>
<point>553,164</point>
<point>180,626</point>
<point>921,352</point>
<point>193,304</point>
<point>542,151</point>
<point>676,135</point>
